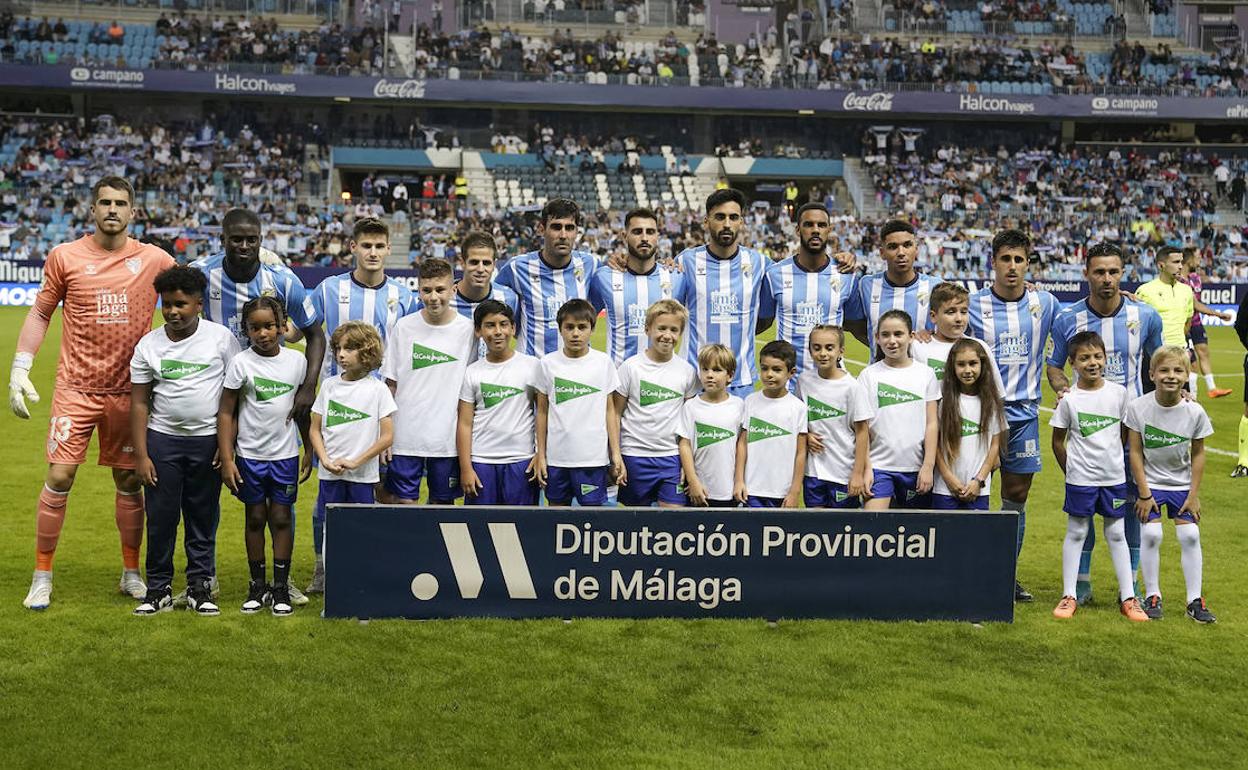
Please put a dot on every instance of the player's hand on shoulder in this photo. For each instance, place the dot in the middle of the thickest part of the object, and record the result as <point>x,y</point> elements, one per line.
<point>846,262</point>
<point>269,257</point>
<point>922,335</point>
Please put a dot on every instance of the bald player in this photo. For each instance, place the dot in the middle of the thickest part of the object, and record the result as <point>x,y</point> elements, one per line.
<point>104,283</point>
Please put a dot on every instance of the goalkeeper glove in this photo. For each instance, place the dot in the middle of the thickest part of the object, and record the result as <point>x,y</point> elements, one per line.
<point>20,386</point>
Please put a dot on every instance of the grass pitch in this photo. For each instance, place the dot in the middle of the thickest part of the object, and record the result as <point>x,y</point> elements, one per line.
<point>84,683</point>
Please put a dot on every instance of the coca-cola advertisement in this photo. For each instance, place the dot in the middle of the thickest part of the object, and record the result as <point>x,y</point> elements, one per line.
<point>876,102</point>
<point>399,89</point>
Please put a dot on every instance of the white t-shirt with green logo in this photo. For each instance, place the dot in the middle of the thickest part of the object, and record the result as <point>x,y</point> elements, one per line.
<point>427,364</point>
<point>578,389</point>
<point>266,388</point>
<point>772,426</point>
<point>351,412</point>
<point>935,354</point>
<point>502,396</point>
<point>1166,433</point>
<point>711,430</point>
<point>832,408</point>
<point>900,396</point>
<point>186,377</point>
<point>656,393</point>
<point>974,447</point>
<point>1093,419</point>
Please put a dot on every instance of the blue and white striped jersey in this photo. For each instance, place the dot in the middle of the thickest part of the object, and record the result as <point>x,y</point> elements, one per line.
<point>542,290</point>
<point>467,307</point>
<point>1131,335</point>
<point>876,295</point>
<point>627,296</point>
<point>225,300</point>
<point>799,300</point>
<point>341,298</point>
<point>1016,332</point>
<point>722,296</point>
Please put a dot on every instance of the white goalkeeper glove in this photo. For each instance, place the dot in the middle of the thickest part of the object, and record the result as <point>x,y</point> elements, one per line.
<point>270,258</point>
<point>20,386</point>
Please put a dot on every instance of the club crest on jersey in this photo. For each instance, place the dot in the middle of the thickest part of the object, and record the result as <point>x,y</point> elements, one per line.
<point>268,292</point>
<point>133,264</point>
<point>747,268</point>
<point>922,296</point>
<point>1035,311</point>
<point>214,293</point>
<point>1133,327</point>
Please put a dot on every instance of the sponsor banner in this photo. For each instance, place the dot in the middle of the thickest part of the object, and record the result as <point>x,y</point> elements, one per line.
<point>507,562</point>
<point>911,103</point>
<point>18,294</point>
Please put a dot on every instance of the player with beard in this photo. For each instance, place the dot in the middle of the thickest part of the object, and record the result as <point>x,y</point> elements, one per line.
<point>104,285</point>
<point>807,289</point>
<point>627,294</point>
<point>549,277</point>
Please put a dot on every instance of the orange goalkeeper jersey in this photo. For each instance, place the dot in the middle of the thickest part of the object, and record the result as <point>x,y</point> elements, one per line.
<point>108,302</point>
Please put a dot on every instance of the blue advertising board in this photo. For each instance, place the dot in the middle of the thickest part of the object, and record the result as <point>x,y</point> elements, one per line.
<point>867,104</point>
<point>448,562</point>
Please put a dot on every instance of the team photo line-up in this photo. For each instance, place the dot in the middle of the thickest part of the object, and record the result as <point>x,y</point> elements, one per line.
<point>485,387</point>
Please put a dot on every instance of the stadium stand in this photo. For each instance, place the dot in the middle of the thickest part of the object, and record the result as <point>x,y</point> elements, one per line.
<point>834,61</point>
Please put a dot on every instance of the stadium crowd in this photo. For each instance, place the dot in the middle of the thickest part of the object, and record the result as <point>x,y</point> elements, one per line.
<point>839,60</point>
<point>187,177</point>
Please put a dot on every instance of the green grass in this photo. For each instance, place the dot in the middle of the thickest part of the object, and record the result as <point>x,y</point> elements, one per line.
<point>86,683</point>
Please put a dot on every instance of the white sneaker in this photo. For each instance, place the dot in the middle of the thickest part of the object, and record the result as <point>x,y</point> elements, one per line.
<point>40,595</point>
<point>179,599</point>
<point>132,585</point>
<point>296,597</point>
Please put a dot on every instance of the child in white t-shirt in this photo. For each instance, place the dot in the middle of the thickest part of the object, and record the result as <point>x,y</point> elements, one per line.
<point>176,374</point>
<point>838,414</point>
<point>427,354</point>
<point>259,448</point>
<point>653,387</point>
<point>353,418</point>
<point>707,432</point>
<point>972,419</point>
<point>771,447</point>
<point>1166,436</point>
<point>1087,442</point>
<point>574,408</point>
<point>950,314</point>
<point>903,431</point>
<point>494,437</point>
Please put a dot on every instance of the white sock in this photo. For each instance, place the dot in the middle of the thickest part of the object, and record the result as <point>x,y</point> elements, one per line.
<point>1116,538</point>
<point>1191,382</point>
<point>1209,381</point>
<point>1150,557</point>
<point>1072,550</point>
<point>1191,558</point>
